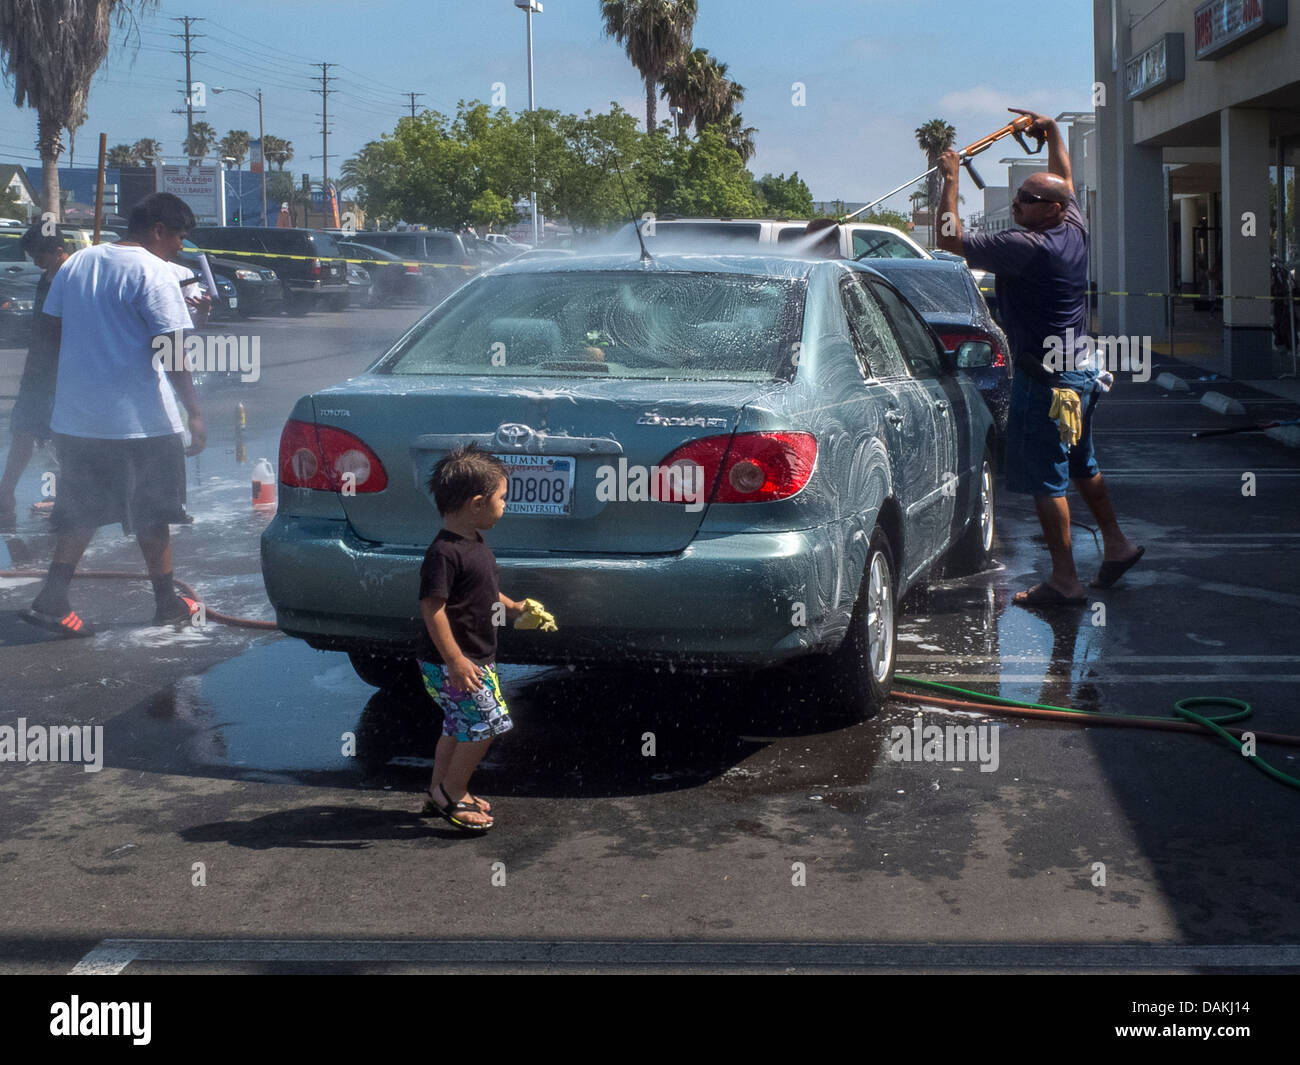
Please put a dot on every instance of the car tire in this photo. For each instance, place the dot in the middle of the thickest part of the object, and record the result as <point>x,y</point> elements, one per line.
<point>860,674</point>
<point>339,303</point>
<point>386,671</point>
<point>974,551</point>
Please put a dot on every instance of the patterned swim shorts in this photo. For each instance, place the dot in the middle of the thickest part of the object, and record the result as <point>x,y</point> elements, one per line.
<point>468,716</point>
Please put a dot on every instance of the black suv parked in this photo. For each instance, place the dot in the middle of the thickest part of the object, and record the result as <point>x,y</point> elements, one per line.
<point>307,261</point>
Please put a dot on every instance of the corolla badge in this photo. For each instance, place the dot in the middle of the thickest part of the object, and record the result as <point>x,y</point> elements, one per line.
<point>697,421</point>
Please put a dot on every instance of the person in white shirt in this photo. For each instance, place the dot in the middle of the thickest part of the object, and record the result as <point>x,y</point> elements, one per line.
<point>116,425</point>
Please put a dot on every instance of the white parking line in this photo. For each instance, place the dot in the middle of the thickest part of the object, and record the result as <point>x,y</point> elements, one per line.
<point>1109,660</point>
<point>1115,678</point>
<point>715,954</point>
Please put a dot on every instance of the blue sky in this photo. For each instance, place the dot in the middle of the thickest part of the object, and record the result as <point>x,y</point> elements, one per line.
<point>874,70</point>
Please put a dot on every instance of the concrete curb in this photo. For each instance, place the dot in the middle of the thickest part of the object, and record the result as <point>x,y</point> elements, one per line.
<point>1172,383</point>
<point>1217,401</point>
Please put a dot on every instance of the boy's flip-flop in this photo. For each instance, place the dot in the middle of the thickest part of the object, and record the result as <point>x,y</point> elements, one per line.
<point>1111,572</point>
<point>448,812</point>
<point>1045,595</point>
<point>69,625</point>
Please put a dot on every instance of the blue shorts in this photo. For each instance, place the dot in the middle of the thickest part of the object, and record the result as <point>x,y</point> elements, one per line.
<point>468,716</point>
<point>1037,462</point>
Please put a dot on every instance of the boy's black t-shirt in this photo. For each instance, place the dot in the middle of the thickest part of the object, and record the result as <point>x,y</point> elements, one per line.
<point>464,573</point>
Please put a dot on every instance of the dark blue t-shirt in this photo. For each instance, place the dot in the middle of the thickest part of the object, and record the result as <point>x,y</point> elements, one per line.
<point>1042,282</point>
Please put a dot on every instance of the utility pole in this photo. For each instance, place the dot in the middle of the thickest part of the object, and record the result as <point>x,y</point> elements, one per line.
<point>413,95</point>
<point>324,91</point>
<point>189,81</point>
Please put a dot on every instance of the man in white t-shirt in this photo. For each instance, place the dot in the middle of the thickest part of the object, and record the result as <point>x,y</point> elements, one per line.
<point>116,424</point>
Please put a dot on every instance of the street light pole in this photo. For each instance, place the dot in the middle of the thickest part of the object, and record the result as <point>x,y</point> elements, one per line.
<point>528,7</point>
<point>261,140</point>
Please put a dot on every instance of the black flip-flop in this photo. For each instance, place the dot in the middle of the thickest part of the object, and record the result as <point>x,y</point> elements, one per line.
<point>1045,595</point>
<point>69,625</point>
<point>1111,572</point>
<point>448,811</point>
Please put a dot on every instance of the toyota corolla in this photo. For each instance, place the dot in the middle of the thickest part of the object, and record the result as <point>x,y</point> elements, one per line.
<point>715,461</point>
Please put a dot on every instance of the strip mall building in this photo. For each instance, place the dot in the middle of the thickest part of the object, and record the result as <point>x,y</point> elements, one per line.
<point>1197,116</point>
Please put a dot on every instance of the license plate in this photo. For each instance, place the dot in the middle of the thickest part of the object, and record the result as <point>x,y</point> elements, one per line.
<point>539,484</point>
<point>234,302</point>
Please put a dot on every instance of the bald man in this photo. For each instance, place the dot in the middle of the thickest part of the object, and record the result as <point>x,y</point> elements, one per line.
<point>1042,280</point>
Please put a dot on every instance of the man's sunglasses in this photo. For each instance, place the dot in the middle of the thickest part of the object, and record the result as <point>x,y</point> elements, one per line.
<point>1029,197</point>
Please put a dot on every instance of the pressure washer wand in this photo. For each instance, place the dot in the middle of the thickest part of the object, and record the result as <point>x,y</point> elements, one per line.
<point>1016,129</point>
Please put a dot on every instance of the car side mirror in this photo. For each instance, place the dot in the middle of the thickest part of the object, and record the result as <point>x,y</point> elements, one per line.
<point>972,354</point>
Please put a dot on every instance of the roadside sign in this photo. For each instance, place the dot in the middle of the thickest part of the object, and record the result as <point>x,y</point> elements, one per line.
<point>202,187</point>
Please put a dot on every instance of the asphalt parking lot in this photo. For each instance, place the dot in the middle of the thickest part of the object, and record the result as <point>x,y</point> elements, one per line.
<point>255,792</point>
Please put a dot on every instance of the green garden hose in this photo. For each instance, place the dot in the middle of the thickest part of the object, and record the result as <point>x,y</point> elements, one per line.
<point>1182,709</point>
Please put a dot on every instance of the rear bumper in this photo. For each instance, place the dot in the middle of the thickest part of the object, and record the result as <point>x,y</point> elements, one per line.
<point>301,287</point>
<point>729,600</point>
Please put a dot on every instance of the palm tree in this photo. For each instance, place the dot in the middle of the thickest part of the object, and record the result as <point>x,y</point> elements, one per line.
<point>655,33</point>
<point>935,138</point>
<point>683,85</point>
<point>277,150</point>
<point>146,152</point>
<point>718,95</point>
<point>200,141</point>
<point>740,137</point>
<point>120,155</point>
<point>234,145</point>
<point>51,49</point>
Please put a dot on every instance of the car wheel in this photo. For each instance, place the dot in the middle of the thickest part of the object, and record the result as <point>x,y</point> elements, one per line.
<point>390,672</point>
<point>974,550</point>
<point>339,303</point>
<point>297,306</point>
<point>861,672</point>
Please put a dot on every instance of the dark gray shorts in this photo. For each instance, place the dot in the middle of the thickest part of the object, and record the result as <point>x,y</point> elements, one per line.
<point>140,483</point>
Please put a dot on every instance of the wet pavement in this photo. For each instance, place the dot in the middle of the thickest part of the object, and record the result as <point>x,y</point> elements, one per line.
<point>760,816</point>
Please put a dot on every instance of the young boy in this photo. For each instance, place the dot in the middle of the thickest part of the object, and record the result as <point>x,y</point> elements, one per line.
<point>462,607</point>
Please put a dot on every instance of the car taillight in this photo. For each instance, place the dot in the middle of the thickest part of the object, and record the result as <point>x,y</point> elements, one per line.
<point>412,268</point>
<point>747,467</point>
<point>315,268</point>
<point>321,457</point>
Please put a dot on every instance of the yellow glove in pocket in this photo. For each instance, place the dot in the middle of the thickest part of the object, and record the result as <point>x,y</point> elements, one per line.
<point>1067,410</point>
<point>535,617</point>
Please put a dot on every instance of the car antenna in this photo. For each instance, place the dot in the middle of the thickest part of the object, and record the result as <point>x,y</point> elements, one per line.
<point>636,223</point>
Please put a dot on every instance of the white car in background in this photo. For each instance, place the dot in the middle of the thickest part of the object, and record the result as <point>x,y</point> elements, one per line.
<point>506,241</point>
<point>858,240</point>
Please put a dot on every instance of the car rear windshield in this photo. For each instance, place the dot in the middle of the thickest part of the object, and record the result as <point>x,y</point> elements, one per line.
<point>661,325</point>
<point>933,291</point>
<point>877,244</point>
<point>325,245</point>
<point>11,249</point>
